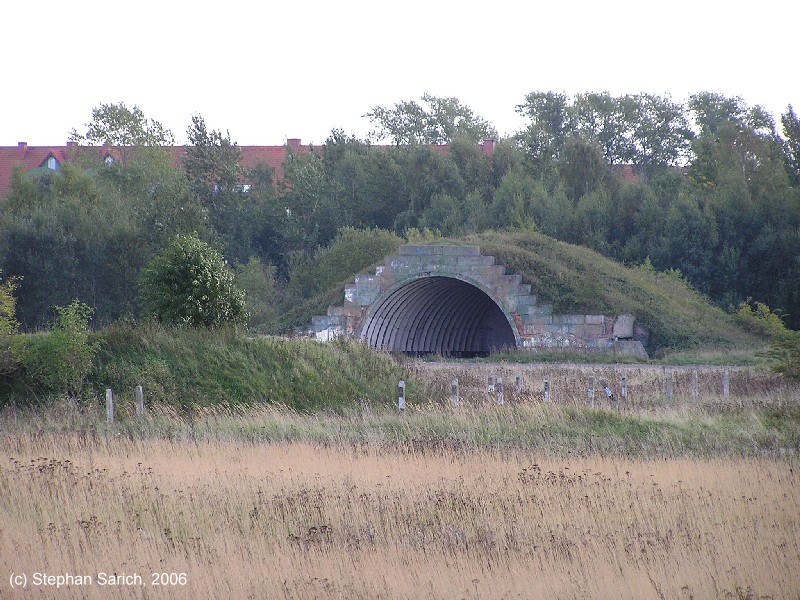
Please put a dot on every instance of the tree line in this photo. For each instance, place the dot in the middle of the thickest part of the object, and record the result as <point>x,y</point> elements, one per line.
<point>716,196</point>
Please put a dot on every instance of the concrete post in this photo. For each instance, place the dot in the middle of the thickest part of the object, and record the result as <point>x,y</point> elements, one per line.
<point>454,399</point>
<point>109,406</point>
<point>490,384</point>
<point>546,389</point>
<point>668,378</point>
<point>401,396</point>
<point>518,384</point>
<point>591,391</point>
<point>725,383</point>
<point>139,395</point>
<point>500,400</point>
<point>694,385</point>
<point>624,388</point>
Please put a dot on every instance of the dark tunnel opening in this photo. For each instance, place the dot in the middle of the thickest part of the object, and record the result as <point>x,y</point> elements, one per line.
<point>439,315</point>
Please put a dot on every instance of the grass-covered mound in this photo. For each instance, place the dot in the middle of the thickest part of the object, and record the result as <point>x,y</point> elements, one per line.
<point>205,367</point>
<point>575,279</point>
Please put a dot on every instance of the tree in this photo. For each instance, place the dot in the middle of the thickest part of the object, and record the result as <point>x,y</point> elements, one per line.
<point>436,121</point>
<point>125,129</point>
<point>262,295</point>
<point>608,121</point>
<point>544,138</point>
<point>661,131</point>
<point>582,167</point>
<point>189,283</point>
<point>791,144</point>
<point>211,162</point>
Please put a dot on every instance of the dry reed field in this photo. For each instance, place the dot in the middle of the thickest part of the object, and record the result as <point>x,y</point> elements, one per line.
<point>220,518</point>
<point>693,498</point>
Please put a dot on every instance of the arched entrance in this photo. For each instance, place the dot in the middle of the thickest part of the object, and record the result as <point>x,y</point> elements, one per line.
<point>437,315</point>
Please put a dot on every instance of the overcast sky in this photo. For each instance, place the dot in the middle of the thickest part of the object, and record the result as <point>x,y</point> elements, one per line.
<point>268,71</point>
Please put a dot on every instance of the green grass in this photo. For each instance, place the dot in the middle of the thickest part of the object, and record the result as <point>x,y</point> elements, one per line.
<point>575,279</point>
<point>196,367</point>
<point>688,430</point>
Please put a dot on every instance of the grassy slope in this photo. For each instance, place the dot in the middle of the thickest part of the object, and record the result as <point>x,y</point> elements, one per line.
<point>576,279</point>
<point>202,367</point>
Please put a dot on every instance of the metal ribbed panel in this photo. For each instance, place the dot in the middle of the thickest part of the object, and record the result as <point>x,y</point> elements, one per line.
<point>440,315</point>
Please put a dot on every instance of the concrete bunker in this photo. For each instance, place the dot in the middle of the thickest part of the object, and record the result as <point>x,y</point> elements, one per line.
<point>456,301</point>
<point>437,315</point>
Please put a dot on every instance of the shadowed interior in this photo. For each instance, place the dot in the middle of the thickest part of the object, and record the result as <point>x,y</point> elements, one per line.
<point>439,315</point>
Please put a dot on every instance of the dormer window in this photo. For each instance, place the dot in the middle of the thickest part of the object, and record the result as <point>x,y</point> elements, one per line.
<point>52,164</point>
<point>108,160</point>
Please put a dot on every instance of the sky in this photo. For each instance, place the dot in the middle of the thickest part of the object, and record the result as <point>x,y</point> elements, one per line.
<point>267,71</point>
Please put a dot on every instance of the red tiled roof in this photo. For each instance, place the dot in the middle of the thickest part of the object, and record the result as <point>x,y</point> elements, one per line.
<point>33,157</point>
<point>27,157</point>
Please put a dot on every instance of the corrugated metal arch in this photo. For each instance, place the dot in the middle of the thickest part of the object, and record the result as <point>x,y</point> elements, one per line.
<point>438,314</point>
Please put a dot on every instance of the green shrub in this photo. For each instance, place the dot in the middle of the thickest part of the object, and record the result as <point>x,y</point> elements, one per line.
<point>785,351</point>
<point>757,318</point>
<point>189,283</point>
<point>9,359</point>
<point>58,362</point>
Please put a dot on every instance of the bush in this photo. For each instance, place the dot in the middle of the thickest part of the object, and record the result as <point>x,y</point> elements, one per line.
<point>8,327</point>
<point>189,283</point>
<point>758,319</point>
<point>58,362</point>
<point>786,352</point>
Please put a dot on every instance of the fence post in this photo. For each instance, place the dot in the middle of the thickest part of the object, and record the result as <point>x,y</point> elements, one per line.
<point>668,378</point>
<point>490,384</point>
<point>500,400</point>
<point>725,383</point>
<point>591,390</point>
<point>109,406</point>
<point>694,385</point>
<point>624,388</point>
<point>401,396</point>
<point>546,389</point>
<point>518,384</point>
<point>139,394</point>
<point>454,392</point>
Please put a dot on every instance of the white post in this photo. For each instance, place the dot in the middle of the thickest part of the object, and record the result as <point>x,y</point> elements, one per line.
<point>139,394</point>
<point>591,391</point>
<point>454,392</point>
<point>401,396</point>
<point>694,385</point>
<point>725,383</point>
<point>624,389</point>
<point>668,377</point>
<point>109,406</point>
<point>500,400</point>
<point>546,389</point>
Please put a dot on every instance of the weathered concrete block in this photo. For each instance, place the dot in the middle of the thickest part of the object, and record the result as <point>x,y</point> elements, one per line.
<point>595,319</point>
<point>411,250</point>
<point>477,261</point>
<point>344,311</point>
<point>569,319</point>
<point>623,326</point>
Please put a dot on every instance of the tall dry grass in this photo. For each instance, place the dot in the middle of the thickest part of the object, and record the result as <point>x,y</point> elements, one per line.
<point>301,520</point>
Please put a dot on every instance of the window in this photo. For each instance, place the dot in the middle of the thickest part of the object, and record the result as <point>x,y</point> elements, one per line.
<point>108,160</point>
<point>52,164</point>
